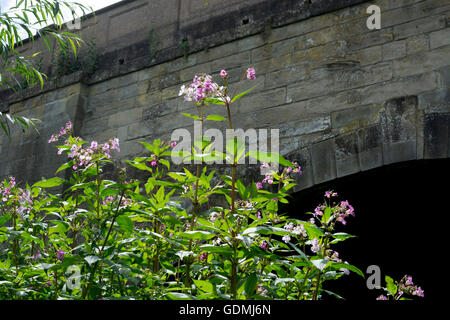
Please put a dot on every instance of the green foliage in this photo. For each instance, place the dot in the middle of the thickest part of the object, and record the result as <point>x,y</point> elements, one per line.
<point>31,19</point>
<point>131,239</point>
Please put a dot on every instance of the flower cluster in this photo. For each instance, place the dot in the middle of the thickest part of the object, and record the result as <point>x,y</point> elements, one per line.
<point>25,201</point>
<point>286,174</point>
<point>84,156</point>
<point>340,211</point>
<point>260,290</point>
<point>110,199</point>
<point>62,132</point>
<point>5,188</point>
<point>316,247</point>
<point>263,245</point>
<point>298,230</point>
<point>23,198</point>
<point>251,74</point>
<point>343,211</point>
<point>202,87</point>
<point>406,285</point>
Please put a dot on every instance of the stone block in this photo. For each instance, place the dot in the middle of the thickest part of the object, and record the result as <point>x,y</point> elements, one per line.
<point>284,77</point>
<point>233,61</point>
<point>276,49</point>
<point>335,102</point>
<point>304,126</point>
<point>421,62</point>
<point>414,85</point>
<point>394,50</point>
<point>440,38</point>
<point>436,135</point>
<point>266,99</point>
<point>399,152</point>
<point>417,44</point>
<point>370,147</point>
<point>310,88</point>
<point>347,161</point>
<point>354,77</point>
<point>371,159</point>
<point>358,117</point>
<point>398,119</point>
<point>370,55</point>
<point>419,26</point>
<point>152,112</point>
<point>323,161</point>
<point>122,118</point>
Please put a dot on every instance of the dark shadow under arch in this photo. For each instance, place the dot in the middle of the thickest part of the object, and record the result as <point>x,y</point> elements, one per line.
<point>402,213</point>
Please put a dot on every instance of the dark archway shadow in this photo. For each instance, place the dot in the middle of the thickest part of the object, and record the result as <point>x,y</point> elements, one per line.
<point>402,214</point>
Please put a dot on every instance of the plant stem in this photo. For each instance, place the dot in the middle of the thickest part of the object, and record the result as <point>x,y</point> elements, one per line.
<point>317,286</point>
<point>15,244</point>
<point>91,278</point>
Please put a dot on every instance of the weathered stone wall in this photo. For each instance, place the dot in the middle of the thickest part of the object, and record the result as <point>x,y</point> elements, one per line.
<point>345,98</point>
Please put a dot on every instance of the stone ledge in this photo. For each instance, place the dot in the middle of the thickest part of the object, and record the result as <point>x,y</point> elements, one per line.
<point>210,33</point>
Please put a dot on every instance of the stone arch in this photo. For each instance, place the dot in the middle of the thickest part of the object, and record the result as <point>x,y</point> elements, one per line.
<point>401,132</point>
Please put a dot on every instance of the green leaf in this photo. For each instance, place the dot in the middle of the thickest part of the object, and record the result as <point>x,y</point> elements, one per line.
<point>125,224</point>
<point>180,296</point>
<point>390,285</point>
<point>204,286</point>
<point>313,231</point>
<point>92,259</point>
<point>320,263</point>
<point>4,219</point>
<point>240,95</point>
<point>192,116</point>
<point>269,157</point>
<point>50,183</point>
<point>266,230</point>
<point>326,215</point>
<point>65,166</point>
<point>340,236</point>
<point>215,117</point>
<point>250,284</point>
<point>182,254</point>
<point>337,266</point>
<point>222,250</point>
<point>198,235</point>
<point>235,148</point>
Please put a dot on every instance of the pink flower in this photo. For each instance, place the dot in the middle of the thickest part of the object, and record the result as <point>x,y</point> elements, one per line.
<point>115,144</point>
<point>318,211</point>
<point>173,144</point>
<point>259,185</point>
<point>223,73</point>
<point>60,255</point>
<point>94,145</point>
<point>315,246</point>
<point>264,245</point>
<point>153,163</point>
<point>382,297</point>
<point>251,74</point>
<point>418,292</point>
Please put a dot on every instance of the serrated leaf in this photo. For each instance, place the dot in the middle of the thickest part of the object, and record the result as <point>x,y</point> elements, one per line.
<point>92,259</point>
<point>204,286</point>
<point>198,235</point>
<point>50,183</point>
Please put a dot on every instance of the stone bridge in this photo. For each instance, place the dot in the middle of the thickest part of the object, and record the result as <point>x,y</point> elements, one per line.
<point>345,98</point>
